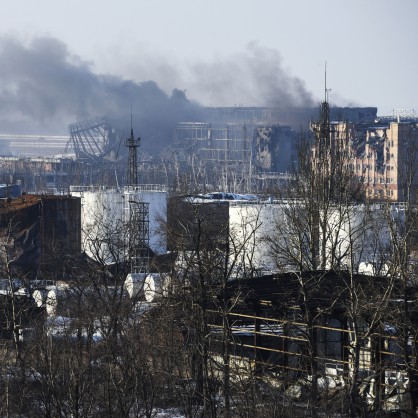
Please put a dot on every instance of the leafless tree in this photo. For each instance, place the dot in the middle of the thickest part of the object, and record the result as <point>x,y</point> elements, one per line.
<point>402,222</point>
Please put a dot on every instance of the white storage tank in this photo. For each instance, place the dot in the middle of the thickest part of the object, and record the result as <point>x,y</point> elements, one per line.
<point>61,300</point>
<point>249,225</point>
<point>153,288</point>
<point>170,285</point>
<point>104,215</point>
<point>134,284</point>
<point>40,292</point>
<point>39,296</point>
<point>53,298</point>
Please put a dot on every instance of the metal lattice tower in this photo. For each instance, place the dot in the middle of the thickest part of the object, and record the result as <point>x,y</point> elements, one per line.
<point>137,211</point>
<point>132,144</point>
<point>138,236</point>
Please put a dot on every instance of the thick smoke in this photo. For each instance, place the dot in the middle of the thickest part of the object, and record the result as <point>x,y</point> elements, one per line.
<point>44,87</point>
<point>255,77</point>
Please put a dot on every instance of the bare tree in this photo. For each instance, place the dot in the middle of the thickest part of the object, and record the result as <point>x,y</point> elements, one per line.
<point>402,222</point>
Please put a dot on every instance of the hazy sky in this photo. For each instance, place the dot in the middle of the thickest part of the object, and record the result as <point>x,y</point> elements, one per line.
<point>229,52</point>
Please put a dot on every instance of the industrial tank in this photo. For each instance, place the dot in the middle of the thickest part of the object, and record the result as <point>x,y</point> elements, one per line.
<point>134,284</point>
<point>153,287</point>
<point>39,290</point>
<point>170,285</point>
<point>105,218</point>
<point>251,224</point>
<point>39,296</point>
<point>61,300</point>
<point>53,299</point>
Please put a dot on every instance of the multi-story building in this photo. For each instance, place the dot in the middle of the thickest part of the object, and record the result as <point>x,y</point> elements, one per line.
<point>383,156</point>
<point>386,161</point>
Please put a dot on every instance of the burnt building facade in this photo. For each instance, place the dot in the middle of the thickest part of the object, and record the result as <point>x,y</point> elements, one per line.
<point>275,148</point>
<point>385,161</point>
<point>383,156</point>
<point>37,234</point>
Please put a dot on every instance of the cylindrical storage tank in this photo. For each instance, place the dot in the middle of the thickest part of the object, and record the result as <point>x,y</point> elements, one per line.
<point>153,287</point>
<point>170,285</point>
<point>61,301</point>
<point>39,296</point>
<point>134,284</point>
<point>365,268</point>
<point>51,301</point>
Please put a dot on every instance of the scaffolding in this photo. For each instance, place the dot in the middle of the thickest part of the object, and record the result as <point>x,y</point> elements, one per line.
<point>229,144</point>
<point>137,215</point>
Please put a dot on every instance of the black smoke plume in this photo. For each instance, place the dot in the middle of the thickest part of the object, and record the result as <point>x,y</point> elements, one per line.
<point>44,87</point>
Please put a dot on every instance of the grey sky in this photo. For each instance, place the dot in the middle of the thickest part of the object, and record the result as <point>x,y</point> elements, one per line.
<point>208,48</point>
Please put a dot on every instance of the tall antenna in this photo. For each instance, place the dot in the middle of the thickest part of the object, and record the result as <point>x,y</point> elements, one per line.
<point>132,144</point>
<point>327,91</point>
<point>323,127</point>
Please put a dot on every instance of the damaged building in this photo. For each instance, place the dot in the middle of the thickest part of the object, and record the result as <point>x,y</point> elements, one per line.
<point>386,160</point>
<point>275,148</point>
<point>382,155</point>
<point>247,149</point>
<point>238,149</point>
<point>37,234</point>
<point>242,149</point>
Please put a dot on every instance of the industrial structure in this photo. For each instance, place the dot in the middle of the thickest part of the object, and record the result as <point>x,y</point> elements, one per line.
<point>93,140</point>
<point>51,175</point>
<point>106,215</point>
<point>234,270</point>
<point>132,144</point>
<point>122,224</point>
<point>359,236</point>
<point>243,149</point>
<point>230,144</point>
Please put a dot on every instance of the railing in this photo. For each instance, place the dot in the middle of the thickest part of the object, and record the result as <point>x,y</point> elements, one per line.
<point>146,188</point>
<point>138,188</point>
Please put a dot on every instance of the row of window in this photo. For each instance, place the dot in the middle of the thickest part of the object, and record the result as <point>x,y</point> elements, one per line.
<point>388,155</point>
<point>365,167</point>
<point>380,193</point>
<point>381,180</point>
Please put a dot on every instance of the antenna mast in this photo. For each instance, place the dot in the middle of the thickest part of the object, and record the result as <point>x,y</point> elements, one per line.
<point>325,85</point>
<point>324,130</point>
<point>132,144</point>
